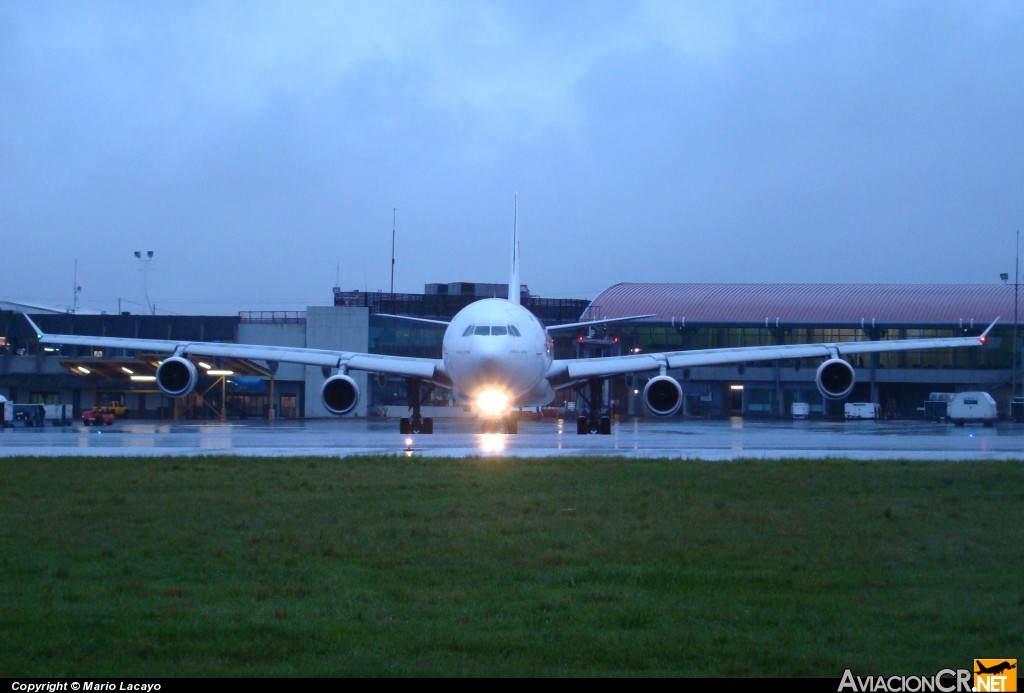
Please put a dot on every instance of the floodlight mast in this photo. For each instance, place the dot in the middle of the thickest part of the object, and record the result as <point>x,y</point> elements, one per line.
<point>144,260</point>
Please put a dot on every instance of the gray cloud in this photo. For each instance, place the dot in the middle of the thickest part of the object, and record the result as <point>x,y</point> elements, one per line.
<point>259,149</point>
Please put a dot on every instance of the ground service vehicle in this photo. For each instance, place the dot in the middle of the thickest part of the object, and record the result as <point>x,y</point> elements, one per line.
<point>972,407</point>
<point>97,417</point>
<point>116,408</point>
<point>861,410</point>
<point>936,407</point>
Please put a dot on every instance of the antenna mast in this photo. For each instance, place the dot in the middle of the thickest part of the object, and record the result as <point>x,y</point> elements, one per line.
<point>394,215</point>
<point>513,282</point>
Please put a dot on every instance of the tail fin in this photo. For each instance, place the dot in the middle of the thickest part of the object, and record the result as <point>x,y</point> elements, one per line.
<point>513,282</point>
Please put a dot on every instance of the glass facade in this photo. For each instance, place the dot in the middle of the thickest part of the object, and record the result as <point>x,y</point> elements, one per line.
<point>898,381</point>
<point>997,353</point>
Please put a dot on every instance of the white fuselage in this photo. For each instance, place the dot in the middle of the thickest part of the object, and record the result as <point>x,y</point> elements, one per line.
<point>497,345</point>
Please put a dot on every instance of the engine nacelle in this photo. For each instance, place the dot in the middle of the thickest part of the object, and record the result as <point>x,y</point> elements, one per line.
<point>176,376</point>
<point>340,394</point>
<point>663,395</point>
<point>835,379</point>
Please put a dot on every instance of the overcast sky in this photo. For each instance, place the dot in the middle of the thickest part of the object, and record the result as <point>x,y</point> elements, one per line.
<point>259,148</point>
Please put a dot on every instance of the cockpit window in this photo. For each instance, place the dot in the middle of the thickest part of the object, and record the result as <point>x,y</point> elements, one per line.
<point>495,330</point>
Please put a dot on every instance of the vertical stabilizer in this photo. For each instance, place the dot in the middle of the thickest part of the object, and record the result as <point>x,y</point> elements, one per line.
<point>513,282</point>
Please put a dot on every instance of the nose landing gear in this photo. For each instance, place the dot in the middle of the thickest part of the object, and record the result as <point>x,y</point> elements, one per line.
<point>506,424</point>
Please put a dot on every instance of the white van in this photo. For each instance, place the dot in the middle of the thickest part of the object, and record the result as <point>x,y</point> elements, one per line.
<point>972,407</point>
<point>862,410</point>
<point>800,410</point>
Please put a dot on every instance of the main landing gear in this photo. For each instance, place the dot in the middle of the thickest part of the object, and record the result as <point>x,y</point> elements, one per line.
<point>596,418</point>
<point>415,423</point>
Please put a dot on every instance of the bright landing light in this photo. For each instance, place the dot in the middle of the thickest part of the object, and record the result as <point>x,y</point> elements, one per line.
<point>492,402</point>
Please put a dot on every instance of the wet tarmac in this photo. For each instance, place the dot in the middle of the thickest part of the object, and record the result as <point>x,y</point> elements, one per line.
<point>683,439</point>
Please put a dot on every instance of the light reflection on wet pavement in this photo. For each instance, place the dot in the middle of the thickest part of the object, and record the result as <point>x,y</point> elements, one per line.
<point>676,438</point>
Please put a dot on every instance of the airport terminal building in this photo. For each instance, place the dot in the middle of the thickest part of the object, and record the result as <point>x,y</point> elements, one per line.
<point>677,317</point>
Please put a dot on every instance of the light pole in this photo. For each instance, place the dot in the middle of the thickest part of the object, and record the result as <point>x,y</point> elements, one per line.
<point>1017,276</point>
<point>144,260</point>
<point>76,290</point>
<point>1015,404</point>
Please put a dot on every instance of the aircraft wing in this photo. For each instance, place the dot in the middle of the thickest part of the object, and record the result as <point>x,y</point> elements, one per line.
<point>429,321</point>
<point>602,321</point>
<point>407,366</point>
<point>568,370</point>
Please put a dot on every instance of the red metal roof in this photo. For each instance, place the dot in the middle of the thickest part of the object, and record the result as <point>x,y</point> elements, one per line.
<point>904,304</point>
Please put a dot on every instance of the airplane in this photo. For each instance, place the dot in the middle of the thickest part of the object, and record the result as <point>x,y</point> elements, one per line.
<point>497,356</point>
<point>994,669</point>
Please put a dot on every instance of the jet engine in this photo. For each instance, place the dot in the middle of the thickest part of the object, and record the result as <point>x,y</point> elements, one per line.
<point>176,376</point>
<point>835,378</point>
<point>340,394</point>
<point>663,395</point>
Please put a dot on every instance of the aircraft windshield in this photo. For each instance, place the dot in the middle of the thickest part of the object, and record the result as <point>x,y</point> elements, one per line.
<point>491,330</point>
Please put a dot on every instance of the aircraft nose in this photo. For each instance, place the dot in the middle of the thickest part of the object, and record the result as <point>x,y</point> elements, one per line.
<point>490,349</point>
<point>489,366</point>
<point>490,359</point>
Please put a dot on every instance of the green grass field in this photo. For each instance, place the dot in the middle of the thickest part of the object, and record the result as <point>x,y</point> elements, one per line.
<point>222,566</point>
